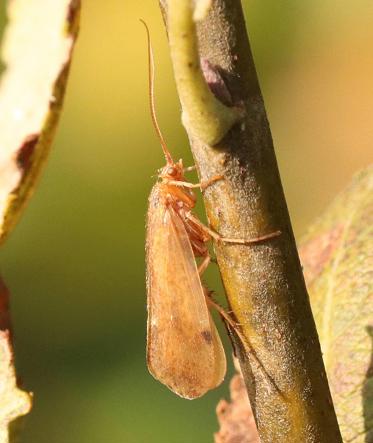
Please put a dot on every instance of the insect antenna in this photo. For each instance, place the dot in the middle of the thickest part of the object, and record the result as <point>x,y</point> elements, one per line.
<point>151,97</point>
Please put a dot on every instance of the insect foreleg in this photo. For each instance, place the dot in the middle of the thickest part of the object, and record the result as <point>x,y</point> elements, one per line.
<point>201,185</point>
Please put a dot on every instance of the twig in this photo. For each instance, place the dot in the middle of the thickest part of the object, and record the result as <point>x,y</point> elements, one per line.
<point>264,283</point>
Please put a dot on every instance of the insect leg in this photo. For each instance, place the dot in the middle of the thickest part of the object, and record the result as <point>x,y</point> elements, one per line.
<point>205,262</point>
<point>239,241</point>
<point>201,185</point>
<point>229,320</point>
<point>244,340</point>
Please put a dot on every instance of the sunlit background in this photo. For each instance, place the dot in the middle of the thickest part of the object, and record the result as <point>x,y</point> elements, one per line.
<point>75,264</point>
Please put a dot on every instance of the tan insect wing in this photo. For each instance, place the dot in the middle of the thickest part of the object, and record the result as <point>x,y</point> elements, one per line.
<point>184,350</point>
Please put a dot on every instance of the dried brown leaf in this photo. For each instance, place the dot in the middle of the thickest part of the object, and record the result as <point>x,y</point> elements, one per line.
<point>13,401</point>
<point>237,424</point>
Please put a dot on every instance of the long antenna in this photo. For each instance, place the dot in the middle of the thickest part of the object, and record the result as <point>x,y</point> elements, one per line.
<point>151,96</point>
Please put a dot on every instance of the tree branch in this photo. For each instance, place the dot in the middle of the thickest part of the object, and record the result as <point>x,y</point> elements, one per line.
<point>264,283</point>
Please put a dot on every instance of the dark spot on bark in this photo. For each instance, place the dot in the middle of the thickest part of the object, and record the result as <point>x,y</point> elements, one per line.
<point>207,336</point>
<point>25,152</point>
<point>213,75</point>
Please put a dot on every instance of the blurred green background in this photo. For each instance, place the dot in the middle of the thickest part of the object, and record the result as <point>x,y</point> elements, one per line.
<point>75,263</point>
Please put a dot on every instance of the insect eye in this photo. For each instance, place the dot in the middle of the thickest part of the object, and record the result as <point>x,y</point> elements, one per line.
<point>171,170</point>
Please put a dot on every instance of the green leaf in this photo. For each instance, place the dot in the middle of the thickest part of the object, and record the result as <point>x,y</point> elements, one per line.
<point>338,266</point>
<point>38,44</point>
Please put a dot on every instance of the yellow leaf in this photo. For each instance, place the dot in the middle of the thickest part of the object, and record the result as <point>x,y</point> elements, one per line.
<point>38,44</point>
<point>337,256</point>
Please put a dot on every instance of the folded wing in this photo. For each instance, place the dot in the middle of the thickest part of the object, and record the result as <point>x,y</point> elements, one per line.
<point>184,350</point>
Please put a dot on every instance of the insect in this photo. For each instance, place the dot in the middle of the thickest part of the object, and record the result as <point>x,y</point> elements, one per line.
<point>184,350</point>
